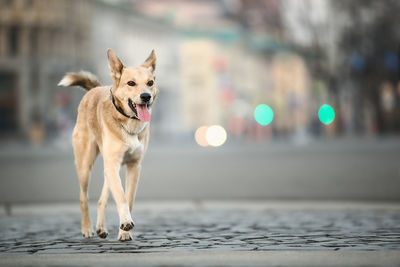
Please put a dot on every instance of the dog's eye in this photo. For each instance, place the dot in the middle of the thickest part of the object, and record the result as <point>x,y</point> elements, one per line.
<point>131,83</point>
<point>150,83</point>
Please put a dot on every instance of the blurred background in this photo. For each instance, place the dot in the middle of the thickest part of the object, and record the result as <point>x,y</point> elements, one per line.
<point>259,99</point>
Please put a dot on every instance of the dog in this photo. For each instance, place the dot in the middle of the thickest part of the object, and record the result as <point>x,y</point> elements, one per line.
<point>114,121</point>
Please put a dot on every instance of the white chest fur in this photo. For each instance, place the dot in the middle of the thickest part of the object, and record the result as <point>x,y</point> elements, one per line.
<point>134,147</point>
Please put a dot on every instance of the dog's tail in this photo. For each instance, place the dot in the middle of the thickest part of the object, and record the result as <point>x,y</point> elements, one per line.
<point>83,79</point>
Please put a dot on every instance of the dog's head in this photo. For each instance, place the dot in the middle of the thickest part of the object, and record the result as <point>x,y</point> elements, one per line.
<point>134,87</point>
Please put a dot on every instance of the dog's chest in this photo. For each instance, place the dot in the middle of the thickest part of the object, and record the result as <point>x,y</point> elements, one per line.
<point>134,148</point>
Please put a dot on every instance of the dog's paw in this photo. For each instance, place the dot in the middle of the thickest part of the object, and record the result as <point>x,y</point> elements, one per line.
<point>102,232</point>
<point>124,235</point>
<point>87,233</point>
<point>126,226</point>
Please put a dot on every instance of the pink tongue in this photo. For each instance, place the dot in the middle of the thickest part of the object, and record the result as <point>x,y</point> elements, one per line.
<point>143,113</point>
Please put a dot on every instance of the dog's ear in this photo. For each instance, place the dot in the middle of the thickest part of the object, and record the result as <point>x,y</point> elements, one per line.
<point>150,61</point>
<point>116,65</point>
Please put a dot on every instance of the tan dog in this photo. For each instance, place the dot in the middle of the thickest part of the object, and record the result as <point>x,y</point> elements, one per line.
<point>113,120</point>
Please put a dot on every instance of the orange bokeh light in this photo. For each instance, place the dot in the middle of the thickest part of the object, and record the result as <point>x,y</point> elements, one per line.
<point>200,136</point>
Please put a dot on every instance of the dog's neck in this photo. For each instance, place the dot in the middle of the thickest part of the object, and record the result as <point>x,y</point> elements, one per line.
<point>132,127</point>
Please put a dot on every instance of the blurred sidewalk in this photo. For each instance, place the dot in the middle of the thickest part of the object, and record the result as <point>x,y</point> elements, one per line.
<point>328,169</point>
<point>208,233</point>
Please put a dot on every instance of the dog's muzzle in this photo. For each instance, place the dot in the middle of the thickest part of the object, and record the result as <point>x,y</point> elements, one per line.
<point>141,110</point>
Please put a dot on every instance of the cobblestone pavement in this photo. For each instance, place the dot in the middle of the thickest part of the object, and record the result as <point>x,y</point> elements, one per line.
<point>208,229</point>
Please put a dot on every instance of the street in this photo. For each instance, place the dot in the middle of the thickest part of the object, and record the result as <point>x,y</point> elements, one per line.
<point>332,203</point>
<point>365,169</point>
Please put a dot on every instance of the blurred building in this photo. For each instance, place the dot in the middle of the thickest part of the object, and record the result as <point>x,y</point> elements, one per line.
<point>223,56</point>
<point>217,60</point>
<point>291,94</point>
<point>42,40</point>
<point>200,98</point>
<point>39,40</point>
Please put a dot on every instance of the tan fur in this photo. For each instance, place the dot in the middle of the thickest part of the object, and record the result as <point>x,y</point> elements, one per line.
<point>100,128</point>
<point>83,79</point>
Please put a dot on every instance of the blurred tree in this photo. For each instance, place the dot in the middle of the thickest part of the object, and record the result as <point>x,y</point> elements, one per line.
<point>311,27</point>
<point>369,47</point>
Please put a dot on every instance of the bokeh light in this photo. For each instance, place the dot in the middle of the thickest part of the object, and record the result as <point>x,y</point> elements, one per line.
<point>200,136</point>
<point>216,135</point>
<point>263,114</point>
<point>326,114</point>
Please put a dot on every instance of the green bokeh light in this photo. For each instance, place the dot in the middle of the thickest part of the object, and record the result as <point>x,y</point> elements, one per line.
<point>326,114</point>
<point>263,114</point>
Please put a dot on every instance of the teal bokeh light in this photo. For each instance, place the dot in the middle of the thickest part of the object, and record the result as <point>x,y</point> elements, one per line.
<point>326,114</point>
<point>263,114</point>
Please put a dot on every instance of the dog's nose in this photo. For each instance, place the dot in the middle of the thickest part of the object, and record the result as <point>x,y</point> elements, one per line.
<point>145,97</point>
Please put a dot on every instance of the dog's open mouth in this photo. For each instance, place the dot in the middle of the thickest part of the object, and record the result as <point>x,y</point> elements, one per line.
<point>140,110</point>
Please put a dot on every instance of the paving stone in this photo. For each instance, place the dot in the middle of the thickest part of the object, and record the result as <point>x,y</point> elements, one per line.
<point>208,229</point>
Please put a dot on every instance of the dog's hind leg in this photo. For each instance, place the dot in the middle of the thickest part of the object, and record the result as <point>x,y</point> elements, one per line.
<point>85,151</point>
<point>101,228</point>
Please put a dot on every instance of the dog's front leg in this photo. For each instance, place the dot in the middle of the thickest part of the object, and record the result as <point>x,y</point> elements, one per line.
<point>131,181</point>
<point>111,171</point>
